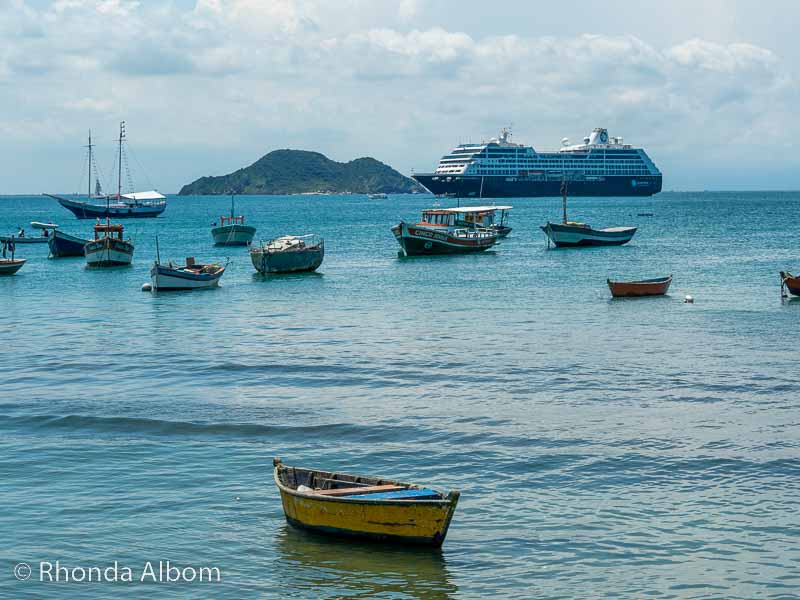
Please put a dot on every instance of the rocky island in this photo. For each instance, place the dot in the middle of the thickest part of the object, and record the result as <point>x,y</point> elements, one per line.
<point>304,172</point>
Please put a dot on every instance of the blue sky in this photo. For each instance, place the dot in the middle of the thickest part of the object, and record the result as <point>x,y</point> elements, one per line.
<point>709,88</point>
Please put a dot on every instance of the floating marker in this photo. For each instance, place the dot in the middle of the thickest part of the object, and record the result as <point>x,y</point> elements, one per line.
<point>689,300</point>
<point>147,287</point>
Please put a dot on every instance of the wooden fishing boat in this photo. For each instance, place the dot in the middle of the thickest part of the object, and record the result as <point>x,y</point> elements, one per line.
<point>645,287</point>
<point>791,283</point>
<point>9,266</point>
<point>232,231</point>
<point>64,244</point>
<point>439,233</point>
<point>106,250</point>
<point>289,254</point>
<point>574,234</point>
<point>191,276</point>
<point>365,507</point>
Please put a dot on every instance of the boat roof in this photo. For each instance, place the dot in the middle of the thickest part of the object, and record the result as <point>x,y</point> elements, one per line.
<point>151,195</point>
<point>109,227</point>
<point>467,209</point>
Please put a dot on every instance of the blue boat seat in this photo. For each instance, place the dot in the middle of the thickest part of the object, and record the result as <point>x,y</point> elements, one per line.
<point>422,494</point>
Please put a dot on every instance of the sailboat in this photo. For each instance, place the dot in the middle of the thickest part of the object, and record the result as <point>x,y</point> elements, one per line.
<point>571,233</point>
<point>232,231</point>
<point>125,206</point>
<point>108,248</point>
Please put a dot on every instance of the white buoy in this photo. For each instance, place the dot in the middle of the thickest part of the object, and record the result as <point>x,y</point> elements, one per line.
<point>147,287</point>
<point>688,300</point>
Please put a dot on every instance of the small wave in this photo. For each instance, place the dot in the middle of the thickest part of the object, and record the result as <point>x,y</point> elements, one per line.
<point>157,427</point>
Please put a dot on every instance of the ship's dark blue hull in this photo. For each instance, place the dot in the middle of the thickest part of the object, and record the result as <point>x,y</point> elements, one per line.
<point>475,186</point>
<point>63,244</point>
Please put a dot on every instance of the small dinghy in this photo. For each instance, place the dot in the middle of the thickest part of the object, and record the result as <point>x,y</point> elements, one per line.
<point>645,287</point>
<point>790,282</point>
<point>289,254</point>
<point>191,276</point>
<point>9,266</point>
<point>365,507</point>
<point>39,225</point>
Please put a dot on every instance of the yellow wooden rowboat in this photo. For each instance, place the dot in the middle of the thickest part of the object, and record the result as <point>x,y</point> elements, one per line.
<point>366,507</point>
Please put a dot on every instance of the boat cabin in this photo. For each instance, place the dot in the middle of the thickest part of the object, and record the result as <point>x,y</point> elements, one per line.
<point>439,217</point>
<point>231,221</point>
<point>109,229</point>
<point>466,216</point>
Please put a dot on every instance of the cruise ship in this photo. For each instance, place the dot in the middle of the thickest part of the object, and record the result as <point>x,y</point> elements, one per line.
<point>499,168</point>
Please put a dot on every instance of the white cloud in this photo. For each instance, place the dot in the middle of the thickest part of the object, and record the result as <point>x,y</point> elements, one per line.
<point>358,78</point>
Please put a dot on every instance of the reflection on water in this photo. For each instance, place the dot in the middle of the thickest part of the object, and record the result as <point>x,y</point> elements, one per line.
<point>325,567</point>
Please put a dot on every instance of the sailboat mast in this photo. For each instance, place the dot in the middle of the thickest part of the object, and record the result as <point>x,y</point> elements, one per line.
<point>90,165</point>
<point>564,199</point>
<point>119,169</point>
<point>231,205</point>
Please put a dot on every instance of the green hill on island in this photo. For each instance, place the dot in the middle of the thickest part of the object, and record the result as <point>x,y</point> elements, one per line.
<point>301,171</point>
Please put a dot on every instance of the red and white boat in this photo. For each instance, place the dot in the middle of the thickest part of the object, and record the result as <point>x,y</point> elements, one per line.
<point>441,232</point>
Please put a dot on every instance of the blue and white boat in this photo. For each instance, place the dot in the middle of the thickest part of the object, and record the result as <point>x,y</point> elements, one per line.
<point>131,205</point>
<point>191,276</point>
<point>65,244</point>
<point>499,168</point>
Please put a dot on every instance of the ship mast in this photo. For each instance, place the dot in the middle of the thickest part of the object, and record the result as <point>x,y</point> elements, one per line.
<point>90,166</point>
<point>119,170</point>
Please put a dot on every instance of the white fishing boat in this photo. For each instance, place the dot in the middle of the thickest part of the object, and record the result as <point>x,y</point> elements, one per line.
<point>232,230</point>
<point>108,248</point>
<point>378,196</point>
<point>289,254</point>
<point>191,276</point>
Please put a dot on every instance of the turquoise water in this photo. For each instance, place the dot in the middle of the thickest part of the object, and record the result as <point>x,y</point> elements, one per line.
<point>626,448</point>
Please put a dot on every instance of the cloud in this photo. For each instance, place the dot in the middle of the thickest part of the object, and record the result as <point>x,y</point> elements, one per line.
<point>249,75</point>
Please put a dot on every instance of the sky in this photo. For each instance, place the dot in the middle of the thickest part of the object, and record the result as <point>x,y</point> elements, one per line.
<point>708,87</point>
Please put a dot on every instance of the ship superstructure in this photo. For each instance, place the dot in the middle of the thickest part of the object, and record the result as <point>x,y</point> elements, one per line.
<point>500,168</point>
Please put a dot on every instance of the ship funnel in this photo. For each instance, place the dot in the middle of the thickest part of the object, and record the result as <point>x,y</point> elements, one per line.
<point>599,135</point>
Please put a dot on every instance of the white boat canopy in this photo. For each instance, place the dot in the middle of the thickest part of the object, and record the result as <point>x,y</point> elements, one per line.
<point>151,195</point>
<point>474,209</point>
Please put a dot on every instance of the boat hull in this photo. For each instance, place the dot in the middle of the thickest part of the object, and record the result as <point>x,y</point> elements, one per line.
<point>468,186</point>
<point>299,261</point>
<point>634,289</point>
<point>570,236</point>
<point>423,522</point>
<point>24,240</point>
<point>108,252</point>
<point>10,266</point>
<point>792,283</point>
<point>425,241</point>
<point>63,244</point>
<point>233,235</point>
<point>133,210</point>
<point>165,279</point>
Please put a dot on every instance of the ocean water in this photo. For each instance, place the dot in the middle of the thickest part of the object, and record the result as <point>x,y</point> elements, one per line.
<point>641,448</point>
